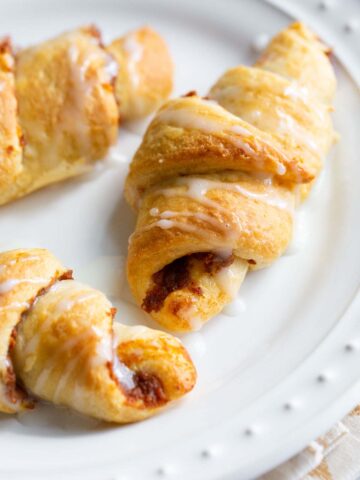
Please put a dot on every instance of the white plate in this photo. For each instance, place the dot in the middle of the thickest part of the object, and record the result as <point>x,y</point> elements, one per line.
<point>286,365</point>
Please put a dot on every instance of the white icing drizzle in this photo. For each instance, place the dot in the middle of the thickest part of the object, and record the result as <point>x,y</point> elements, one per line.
<point>197,188</point>
<point>168,214</point>
<point>135,52</point>
<point>124,374</point>
<point>289,126</point>
<point>295,91</point>
<point>298,92</point>
<point>167,224</point>
<point>70,367</point>
<point>185,118</point>
<point>236,134</point>
<point>53,361</point>
<point>33,343</point>
<point>74,117</point>
<point>154,212</point>
<point>105,352</point>
<point>9,285</point>
<point>96,340</point>
<point>191,316</point>
<point>195,322</point>
<point>234,308</point>
<point>111,66</point>
<point>301,233</point>
<point>281,169</point>
<point>15,306</point>
<point>74,293</point>
<point>13,261</point>
<point>75,299</point>
<point>266,122</point>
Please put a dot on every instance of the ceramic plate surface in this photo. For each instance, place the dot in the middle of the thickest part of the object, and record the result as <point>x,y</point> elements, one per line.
<point>283,362</point>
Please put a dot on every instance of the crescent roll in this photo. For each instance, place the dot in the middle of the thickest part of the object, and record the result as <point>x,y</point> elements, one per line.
<point>58,342</point>
<point>216,179</point>
<point>61,102</point>
<point>145,75</point>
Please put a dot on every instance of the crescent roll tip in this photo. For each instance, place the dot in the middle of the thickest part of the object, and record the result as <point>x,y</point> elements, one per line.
<point>145,77</point>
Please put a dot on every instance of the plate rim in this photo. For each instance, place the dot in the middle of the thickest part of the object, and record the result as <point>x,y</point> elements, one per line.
<point>351,395</point>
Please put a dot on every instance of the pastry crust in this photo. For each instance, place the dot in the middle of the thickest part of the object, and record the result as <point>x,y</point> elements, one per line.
<point>23,274</point>
<point>189,135</point>
<point>58,103</point>
<point>10,145</point>
<point>237,215</point>
<point>58,339</point>
<point>297,53</point>
<point>216,180</point>
<point>145,77</point>
<point>291,113</point>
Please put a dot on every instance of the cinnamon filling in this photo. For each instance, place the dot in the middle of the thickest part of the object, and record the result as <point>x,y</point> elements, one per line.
<point>5,45</point>
<point>192,93</point>
<point>148,388</point>
<point>176,276</point>
<point>14,392</point>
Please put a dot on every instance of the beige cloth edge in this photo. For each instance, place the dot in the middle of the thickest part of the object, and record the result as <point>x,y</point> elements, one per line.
<point>333,456</point>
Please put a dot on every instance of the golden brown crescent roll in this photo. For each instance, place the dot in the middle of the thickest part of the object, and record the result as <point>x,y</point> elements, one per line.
<point>61,102</point>
<point>58,342</point>
<point>145,74</point>
<point>216,179</point>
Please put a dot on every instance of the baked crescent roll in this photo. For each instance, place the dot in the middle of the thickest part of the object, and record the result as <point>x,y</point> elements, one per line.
<point>216,180</point>
<point>58,342</point>
<point>145,74</point>
<point>61,102</point>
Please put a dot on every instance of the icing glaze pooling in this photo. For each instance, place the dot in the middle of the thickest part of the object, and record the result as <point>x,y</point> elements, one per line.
<point>230,278</point>
<point>124,374</point>
<point>237,306</point>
